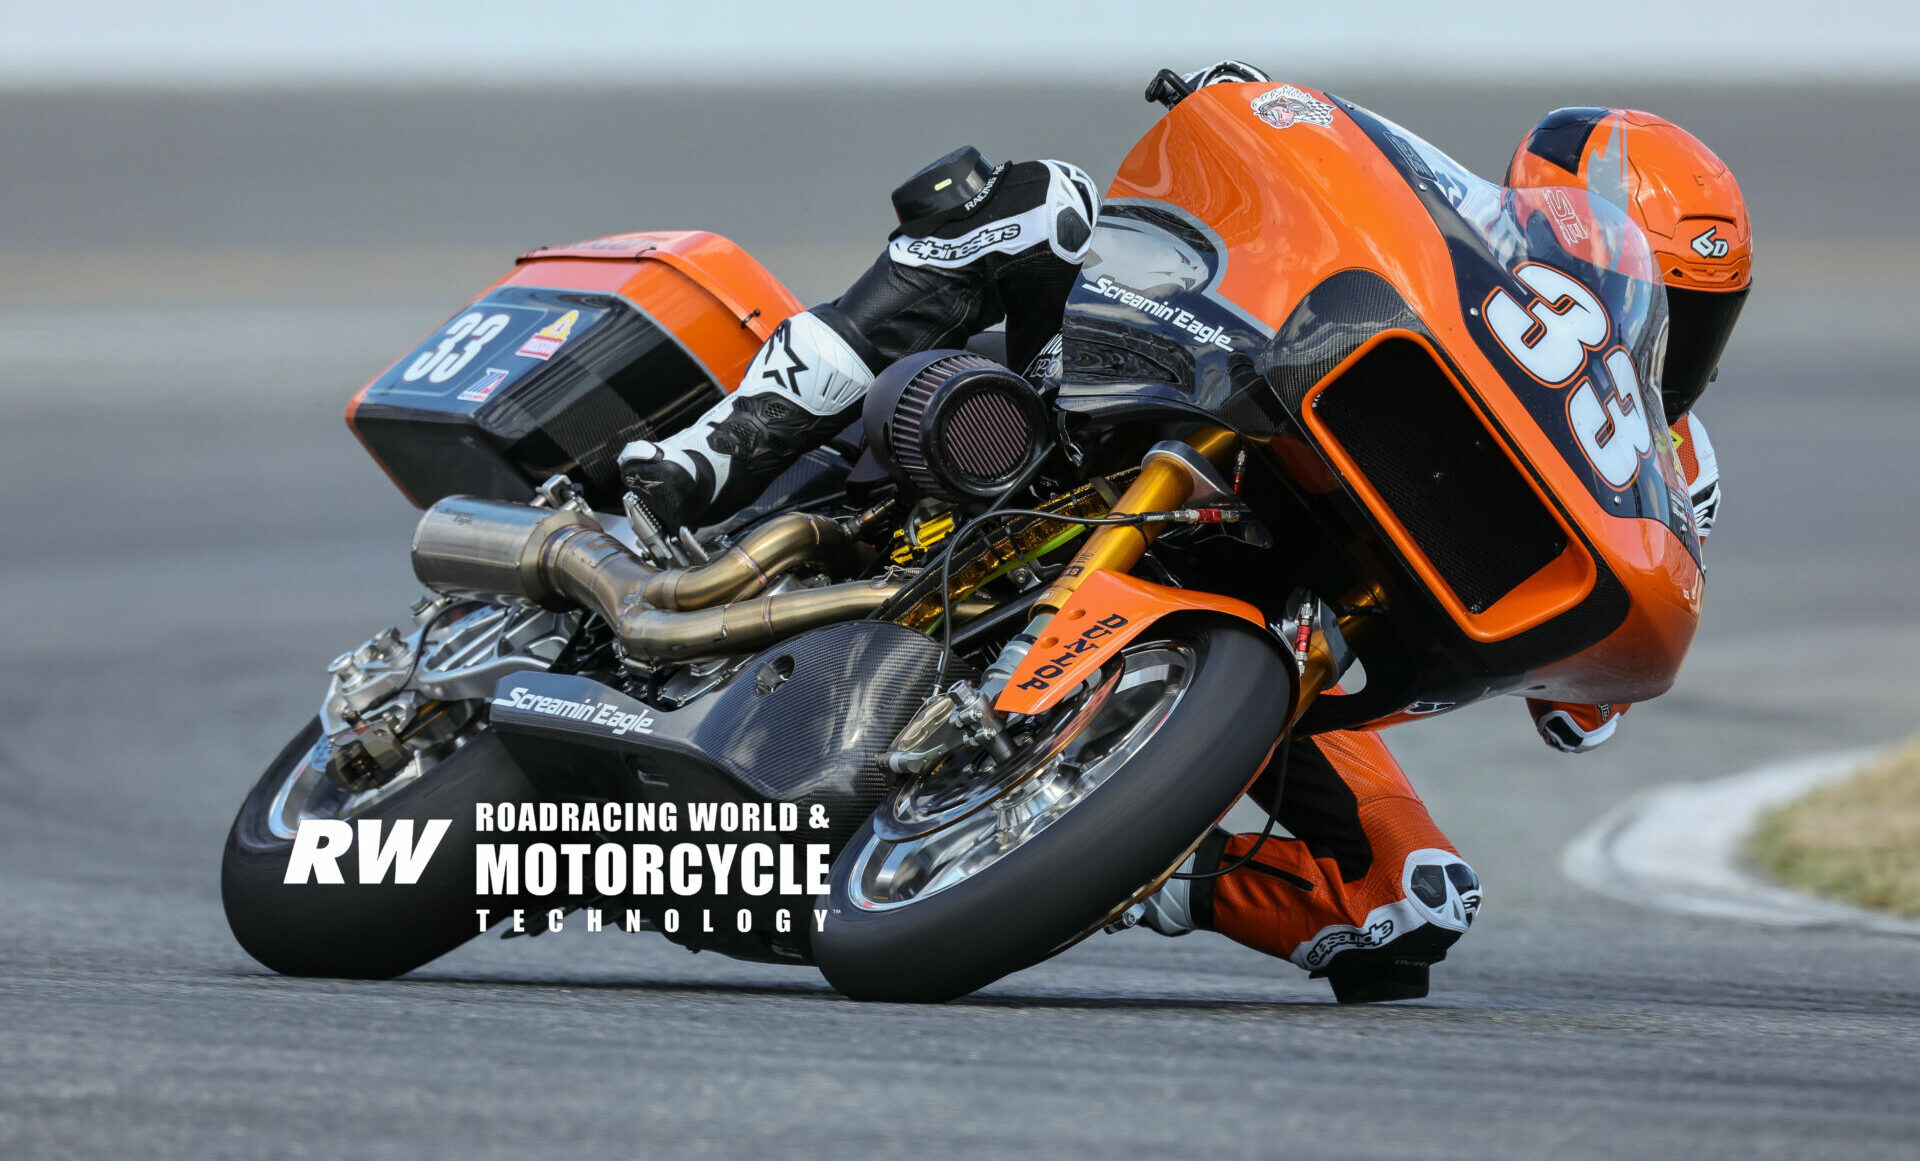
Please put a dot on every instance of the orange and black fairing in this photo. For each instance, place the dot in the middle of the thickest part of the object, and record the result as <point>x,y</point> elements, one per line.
<point>1451,377</point>
<point>573,353</point>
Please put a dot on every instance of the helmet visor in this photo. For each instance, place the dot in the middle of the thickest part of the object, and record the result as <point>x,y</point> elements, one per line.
<point>1702,322</point>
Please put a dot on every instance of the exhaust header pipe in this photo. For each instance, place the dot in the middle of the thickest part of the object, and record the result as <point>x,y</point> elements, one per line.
<point>558,558</point>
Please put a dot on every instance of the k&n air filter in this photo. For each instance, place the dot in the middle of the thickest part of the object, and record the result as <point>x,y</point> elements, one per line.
<point>954,424</point>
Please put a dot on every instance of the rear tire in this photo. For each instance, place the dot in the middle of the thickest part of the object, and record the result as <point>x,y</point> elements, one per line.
<point>374,931</point>
<point>1060,882</point>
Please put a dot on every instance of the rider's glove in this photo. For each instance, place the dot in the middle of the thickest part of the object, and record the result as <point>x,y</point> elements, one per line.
<point>1224,72</point>
<point>1574,729</point>
<point>1701,468</point>
<point>1706,505</point>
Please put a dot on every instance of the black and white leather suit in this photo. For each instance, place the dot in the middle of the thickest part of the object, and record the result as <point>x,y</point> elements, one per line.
<point>1012,255</point>
<point>1011,252</point>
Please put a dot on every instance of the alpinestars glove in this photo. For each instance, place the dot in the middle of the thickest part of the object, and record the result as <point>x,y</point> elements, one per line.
<point>1224,72</point>
<point>1574,729</point>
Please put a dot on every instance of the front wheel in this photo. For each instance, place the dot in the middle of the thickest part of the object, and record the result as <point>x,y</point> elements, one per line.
<point>979,868</point>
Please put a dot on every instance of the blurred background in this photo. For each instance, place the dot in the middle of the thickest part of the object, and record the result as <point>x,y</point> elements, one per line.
<point>270,201</point>
<point>218,219</point>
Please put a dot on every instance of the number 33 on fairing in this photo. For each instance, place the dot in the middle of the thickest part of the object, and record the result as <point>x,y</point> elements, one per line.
<point>1550,337</point>
<point>440,363</point>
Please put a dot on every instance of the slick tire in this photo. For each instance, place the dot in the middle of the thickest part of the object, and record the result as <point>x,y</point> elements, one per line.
<point>376,931</point>
<point>1055,886</point>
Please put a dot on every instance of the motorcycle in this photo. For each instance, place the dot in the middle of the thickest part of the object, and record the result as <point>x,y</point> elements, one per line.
<point>1336,436</point>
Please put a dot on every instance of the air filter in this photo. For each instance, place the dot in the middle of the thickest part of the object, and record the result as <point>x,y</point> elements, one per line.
<point>955,425</point>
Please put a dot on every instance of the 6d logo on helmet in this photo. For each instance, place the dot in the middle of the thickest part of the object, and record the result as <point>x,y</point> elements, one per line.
<point>1087,642</point>
<point>1709,244</point>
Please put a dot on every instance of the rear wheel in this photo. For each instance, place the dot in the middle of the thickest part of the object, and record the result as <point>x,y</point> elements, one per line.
<point>350,930</point>
<point>981,868</point>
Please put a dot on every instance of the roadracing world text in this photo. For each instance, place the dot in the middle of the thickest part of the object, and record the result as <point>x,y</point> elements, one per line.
<point>772,867</point>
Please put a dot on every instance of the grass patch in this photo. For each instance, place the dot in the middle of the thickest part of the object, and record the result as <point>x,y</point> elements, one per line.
<point>1857,841</point>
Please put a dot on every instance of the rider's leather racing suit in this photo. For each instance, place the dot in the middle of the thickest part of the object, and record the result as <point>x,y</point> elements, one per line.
<point>1368,892</point>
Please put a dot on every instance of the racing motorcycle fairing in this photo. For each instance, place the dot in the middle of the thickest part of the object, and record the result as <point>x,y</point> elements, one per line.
<point>1458,379</point>
<point>564,359</point>
<point>1107,611</point>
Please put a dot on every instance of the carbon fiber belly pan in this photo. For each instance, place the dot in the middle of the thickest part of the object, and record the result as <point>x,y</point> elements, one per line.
<point>801,722</point>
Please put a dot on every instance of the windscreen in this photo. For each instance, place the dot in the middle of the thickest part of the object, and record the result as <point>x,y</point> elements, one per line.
<point>1564,297</point>
<point>1561,226</point>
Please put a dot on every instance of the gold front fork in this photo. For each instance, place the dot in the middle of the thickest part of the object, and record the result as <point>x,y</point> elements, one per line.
<point>1163,485</point>
<point>1160,486</point>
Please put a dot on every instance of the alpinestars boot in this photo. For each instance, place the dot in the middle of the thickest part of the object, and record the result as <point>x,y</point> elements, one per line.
<point>805,385</point>
<point>1173,909</point>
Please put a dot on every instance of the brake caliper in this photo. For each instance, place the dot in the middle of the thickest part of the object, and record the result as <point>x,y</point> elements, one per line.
<point>958,716</point>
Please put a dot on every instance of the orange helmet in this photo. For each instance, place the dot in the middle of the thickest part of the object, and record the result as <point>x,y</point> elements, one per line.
<point>1686,201</point>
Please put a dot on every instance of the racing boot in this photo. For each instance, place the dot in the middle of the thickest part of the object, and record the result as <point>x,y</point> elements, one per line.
<point>1169,910</point>
<point>804,385</point>
<point>1442,893</point>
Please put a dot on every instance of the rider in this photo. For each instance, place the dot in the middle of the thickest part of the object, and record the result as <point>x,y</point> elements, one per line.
<point>1358,895</point>
<point>1368,892</point>
<point>1690,208</point>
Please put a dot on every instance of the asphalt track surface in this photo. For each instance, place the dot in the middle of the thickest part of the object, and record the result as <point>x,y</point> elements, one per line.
<point>197,283</point>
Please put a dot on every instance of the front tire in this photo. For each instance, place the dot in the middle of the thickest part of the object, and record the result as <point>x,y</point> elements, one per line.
<point>999,885</point>
<point>375,931</point>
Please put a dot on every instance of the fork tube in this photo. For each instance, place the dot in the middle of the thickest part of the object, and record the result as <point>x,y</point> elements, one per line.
<point>1160,486</point>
